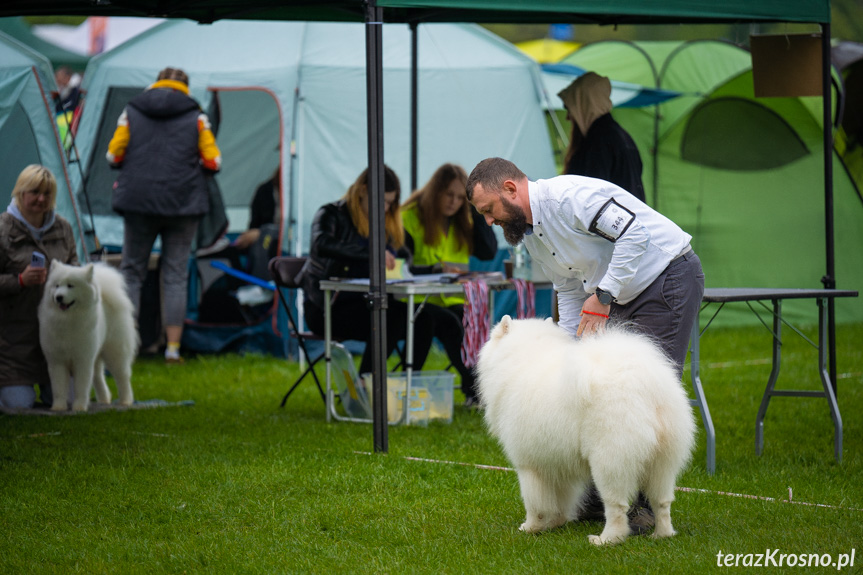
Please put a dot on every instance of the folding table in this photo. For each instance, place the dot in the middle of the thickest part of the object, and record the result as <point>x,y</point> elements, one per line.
<point>748,295</point>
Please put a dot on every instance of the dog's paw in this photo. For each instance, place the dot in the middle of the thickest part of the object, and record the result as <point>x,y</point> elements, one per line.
<point>527,528</point>
<point>600,540</point>
<point>57,406</point>
<point>532,527</point>
<point>659,534</point>
<point>80,407</point>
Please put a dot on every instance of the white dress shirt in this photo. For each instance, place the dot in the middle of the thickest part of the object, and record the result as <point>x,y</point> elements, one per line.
<point>589,233</point>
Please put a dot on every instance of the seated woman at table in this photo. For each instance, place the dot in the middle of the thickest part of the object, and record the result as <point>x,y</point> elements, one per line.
<point>443,230</point>
<point>340,248</point>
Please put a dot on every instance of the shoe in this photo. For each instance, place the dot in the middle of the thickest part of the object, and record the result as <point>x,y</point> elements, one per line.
<point>174,357</point>
<point>640,515</point>
<point>472,403</point>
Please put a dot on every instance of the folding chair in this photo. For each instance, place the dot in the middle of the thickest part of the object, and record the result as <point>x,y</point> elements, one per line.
<point>284,270</point>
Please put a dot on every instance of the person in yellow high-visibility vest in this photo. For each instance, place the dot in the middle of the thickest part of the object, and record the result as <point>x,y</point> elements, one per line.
<point>442,230</point>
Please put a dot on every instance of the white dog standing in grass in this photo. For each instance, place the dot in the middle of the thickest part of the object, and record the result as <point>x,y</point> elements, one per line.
<point>87,323</point>
<point>608,406</point>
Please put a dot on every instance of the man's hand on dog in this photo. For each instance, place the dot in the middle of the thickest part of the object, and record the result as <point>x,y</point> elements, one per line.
<point>591,323</point>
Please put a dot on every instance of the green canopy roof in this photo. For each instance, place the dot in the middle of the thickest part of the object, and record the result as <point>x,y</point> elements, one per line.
<point>576,11</point>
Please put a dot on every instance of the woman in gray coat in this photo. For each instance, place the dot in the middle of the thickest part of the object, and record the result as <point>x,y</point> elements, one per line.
<point>28,225</point>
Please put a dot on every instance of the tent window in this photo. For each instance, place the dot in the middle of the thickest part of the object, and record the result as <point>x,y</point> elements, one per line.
<point>18,149</point>
<point>737,134</point>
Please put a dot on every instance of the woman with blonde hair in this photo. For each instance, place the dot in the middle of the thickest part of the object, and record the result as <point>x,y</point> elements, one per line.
<point>340,248</point>
<point>443,231</point>
<point>29,225</point>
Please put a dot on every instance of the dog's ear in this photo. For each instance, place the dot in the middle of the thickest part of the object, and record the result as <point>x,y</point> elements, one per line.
<point>54,264</point>
<point>88,270</point>
<point>503,326</point>
<point>549,320</point>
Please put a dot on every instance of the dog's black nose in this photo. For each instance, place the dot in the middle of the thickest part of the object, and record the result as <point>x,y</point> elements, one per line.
<point>59,298</point>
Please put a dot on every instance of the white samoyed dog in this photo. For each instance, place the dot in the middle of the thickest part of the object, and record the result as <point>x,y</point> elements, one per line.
<point>87,323</point>
<point>608,406</point>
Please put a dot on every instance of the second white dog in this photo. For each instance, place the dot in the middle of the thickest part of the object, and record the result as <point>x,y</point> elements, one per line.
<point>87,323</point>
<point>608,406</point>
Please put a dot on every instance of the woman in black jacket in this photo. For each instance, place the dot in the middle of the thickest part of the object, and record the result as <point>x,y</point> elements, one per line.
<point>340,248</point>
<point>599,147</point>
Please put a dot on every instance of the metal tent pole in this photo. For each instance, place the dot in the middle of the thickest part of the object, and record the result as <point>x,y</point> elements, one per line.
<point>829,280</point>
<point>377,243</point>
<point>414,105</point>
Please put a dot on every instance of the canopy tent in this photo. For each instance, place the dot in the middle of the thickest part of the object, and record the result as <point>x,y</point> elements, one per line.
<point>28,134</point>
<point>419,11</point>
<point>608,12</point>
<point>58,56</point>
<point>290,93</point>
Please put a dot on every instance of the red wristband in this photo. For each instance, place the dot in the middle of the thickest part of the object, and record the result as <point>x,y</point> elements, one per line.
<point>20,281</point>
<point>594,313</point>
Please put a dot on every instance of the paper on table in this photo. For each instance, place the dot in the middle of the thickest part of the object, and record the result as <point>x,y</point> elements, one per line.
<point>400,271</point>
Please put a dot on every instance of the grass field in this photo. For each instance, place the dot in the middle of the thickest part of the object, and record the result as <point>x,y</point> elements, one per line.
<point>233,484</point>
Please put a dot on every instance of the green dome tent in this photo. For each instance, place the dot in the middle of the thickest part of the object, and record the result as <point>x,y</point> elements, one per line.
<point>743,175</point>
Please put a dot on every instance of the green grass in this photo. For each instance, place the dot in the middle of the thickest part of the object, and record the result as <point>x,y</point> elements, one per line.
<point>234,484</point>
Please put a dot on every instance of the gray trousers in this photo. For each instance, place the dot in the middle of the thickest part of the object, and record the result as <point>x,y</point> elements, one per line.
<point>669,306</point>
<point>177,234</point>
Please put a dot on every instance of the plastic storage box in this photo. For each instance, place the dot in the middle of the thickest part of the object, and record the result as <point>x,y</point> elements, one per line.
<point>430,398</point>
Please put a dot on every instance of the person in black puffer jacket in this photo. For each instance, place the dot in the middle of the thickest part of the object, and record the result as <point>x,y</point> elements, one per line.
<point>163,144</point>
<point>340,248</point>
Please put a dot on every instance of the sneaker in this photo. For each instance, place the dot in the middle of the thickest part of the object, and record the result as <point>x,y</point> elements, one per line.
<point>472,403</point>
<point>641,519</point>
<point>173,357</point>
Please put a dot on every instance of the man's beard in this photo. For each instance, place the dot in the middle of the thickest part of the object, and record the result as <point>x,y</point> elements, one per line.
<point>516,227</point>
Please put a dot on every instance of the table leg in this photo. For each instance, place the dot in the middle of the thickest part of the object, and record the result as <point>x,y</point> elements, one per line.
<point>328,337</point>
<point>825,380</point>
<point>700,401</point>
<point>409,358</point>
<point>774,375</point>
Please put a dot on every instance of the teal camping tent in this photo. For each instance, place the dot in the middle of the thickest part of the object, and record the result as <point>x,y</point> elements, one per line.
<point>293,94</point>
<point>743,175</point>
<point>28,133</point>
<point>18,29</point>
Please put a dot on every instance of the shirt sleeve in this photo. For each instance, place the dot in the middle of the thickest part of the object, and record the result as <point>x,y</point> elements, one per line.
<point>569,304</point>
<point>627,249</point>
<point>119,142</point>
<point>211,157</point>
